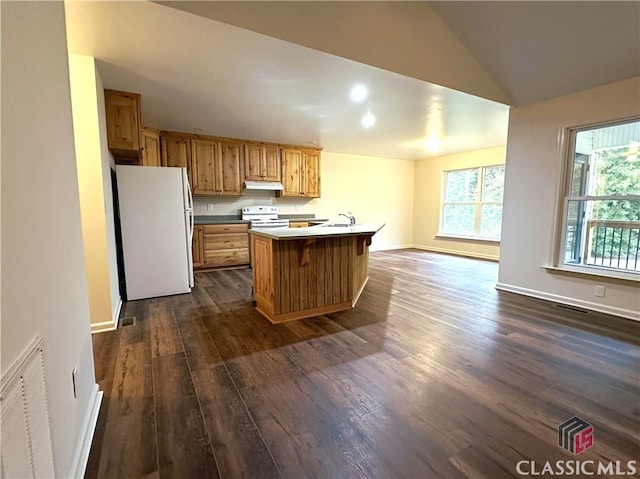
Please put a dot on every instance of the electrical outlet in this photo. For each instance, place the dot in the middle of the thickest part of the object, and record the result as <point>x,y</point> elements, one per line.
<point>599,291</point>
<point>74,374</point>
<point>209,207</point>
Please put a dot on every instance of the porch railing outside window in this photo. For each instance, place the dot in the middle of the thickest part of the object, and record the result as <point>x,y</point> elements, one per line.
<point>614,244</point>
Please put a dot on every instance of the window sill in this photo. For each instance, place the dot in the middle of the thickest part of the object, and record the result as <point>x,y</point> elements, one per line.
<point>585,271</point>
<point>467,238</point>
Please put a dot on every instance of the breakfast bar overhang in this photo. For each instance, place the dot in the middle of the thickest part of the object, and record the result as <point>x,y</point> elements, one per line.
<point>304,272</point>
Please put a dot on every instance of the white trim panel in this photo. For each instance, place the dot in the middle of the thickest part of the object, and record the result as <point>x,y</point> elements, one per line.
<point>601,308</point>
<point>81,456</point>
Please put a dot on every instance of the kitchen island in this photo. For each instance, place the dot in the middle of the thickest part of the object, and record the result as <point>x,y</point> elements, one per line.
<point>304,272</point>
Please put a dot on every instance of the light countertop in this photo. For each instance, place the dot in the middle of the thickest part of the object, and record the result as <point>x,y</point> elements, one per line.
<point>318,231</point>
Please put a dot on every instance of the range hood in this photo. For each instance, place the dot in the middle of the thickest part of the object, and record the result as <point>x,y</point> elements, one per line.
<point>263,185</point>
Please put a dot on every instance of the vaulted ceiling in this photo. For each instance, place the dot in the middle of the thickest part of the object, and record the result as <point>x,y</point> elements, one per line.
<point>438,73</point>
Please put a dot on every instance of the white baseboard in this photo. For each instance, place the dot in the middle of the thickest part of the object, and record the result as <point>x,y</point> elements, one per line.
<point>390,247</point>
<point>81,456</point>
<point>108,325</point>
<point>455,252</point>
<point>588,305</point>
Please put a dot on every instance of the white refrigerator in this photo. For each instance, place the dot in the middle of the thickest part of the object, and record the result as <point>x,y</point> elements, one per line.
<point>156,224</point>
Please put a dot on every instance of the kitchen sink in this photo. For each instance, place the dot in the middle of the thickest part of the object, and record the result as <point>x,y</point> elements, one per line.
<point>335,225</point>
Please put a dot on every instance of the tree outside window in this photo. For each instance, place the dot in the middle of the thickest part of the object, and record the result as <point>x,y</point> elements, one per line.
<point>472,203</point>
<point>602,202</point>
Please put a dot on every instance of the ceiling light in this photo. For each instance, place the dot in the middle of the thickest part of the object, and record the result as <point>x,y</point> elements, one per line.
<point>368,120</point>
<point>359,93</point>
<point>199,130</point>
<point>433,143</point>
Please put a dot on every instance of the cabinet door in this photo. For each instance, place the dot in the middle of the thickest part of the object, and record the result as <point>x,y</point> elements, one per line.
<point>150,147</point>
<point>197,248</point>
<point>311,174</point>
<point>231,169</point>
<point>291,171</point>
<point>123,123</point>
<point>262,270</point>
<point>176,151</point>
<point>271,163</point>
<point>253,162</point>
<point>204,163</point>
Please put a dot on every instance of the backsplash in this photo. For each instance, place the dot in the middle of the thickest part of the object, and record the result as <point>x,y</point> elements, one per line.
<point>232,206</point>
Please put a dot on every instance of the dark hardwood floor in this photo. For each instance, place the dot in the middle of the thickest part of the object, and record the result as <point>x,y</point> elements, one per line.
<point>433,374</point>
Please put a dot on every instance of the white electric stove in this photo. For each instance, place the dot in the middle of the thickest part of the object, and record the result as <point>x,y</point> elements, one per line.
<point>263,217</point>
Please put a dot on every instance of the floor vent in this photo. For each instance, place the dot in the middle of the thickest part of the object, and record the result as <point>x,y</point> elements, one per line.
<point>571,308</point>
<point>128,321</point>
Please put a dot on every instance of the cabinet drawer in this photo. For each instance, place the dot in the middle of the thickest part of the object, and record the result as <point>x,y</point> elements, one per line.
<point>226,257</point>
<point>298,224</point>
<point>225,228</point>
<point>226,241</point>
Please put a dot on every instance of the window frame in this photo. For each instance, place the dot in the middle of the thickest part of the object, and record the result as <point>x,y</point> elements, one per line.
<point>569,136</point>
<point>478,204</point>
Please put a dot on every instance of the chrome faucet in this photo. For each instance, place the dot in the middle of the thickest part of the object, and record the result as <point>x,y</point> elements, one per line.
<point>350,217</point>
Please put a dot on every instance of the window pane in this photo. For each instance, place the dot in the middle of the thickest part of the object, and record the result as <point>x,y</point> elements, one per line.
<point>493,184</point>
<point>615,174</point>
<point>491,221</point>
<point>459,219</point>
<point>604,233</point>
<point>461,185</point>
<point>606,162</point>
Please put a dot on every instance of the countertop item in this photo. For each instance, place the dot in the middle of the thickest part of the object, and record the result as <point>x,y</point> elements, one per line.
<point>318,231</point>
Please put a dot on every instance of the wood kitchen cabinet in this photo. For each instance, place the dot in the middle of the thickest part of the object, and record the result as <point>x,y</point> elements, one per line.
<point>196,247</point>
<point>150,147</point>
<point>300,173</point>
<point>176,151</point>
<point>225,245</point>
<point>123,118</point>
<point>216,167</point>
<point>262,162</point>
<point>298,224</point>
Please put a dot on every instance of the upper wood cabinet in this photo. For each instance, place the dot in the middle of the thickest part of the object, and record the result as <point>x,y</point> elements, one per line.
<point>232,169</point>
<point>150,147</point>
<point>216,167</point>
<point>262,162</point>
<point>123,125</point>
<point>300,173</point>
<point>176,151</point>
<point>204,166</point>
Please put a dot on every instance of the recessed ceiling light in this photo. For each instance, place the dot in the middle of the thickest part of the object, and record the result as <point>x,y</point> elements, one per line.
<point>359,93</point>
<point>368,120</point>
<point>433,143</point>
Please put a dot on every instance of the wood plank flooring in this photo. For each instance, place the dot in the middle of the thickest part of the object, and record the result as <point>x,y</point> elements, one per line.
<point>433,374</point>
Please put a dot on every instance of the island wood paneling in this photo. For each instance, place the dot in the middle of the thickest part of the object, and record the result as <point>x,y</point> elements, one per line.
<point>309,276</point>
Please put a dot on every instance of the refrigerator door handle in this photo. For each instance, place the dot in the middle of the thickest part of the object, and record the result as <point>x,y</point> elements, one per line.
<point>189,213</point>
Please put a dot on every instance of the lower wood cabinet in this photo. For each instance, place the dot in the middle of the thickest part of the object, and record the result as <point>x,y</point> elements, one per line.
<point>222,245</point>
<point>298,224</point>
<point>196,246</point>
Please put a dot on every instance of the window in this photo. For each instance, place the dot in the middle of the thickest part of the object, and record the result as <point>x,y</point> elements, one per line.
<point>601,217</point>
<point>472,203</point>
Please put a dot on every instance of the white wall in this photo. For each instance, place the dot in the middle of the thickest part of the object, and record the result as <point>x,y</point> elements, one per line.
<point>535,159</point>
<point>91,185</point>
<point>44,289</point>
<point>427,197</point>
<point>374,189</point>
<point>107,164</point>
